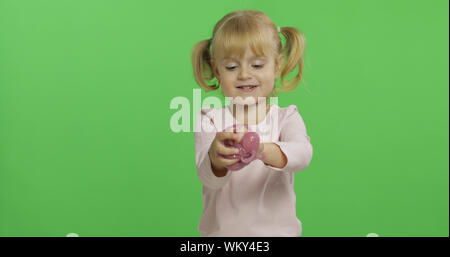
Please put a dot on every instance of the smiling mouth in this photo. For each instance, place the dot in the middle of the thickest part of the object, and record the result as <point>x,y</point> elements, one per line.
<point>247,87</point>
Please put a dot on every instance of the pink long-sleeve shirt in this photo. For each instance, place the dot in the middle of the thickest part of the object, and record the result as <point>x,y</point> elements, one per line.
<point>258,200</point>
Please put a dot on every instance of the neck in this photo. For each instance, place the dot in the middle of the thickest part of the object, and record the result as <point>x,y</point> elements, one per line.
<point>251,114</point>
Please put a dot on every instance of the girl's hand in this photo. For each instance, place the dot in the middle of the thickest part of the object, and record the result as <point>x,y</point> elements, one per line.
<point>218,147</point>
<point>239,131</point>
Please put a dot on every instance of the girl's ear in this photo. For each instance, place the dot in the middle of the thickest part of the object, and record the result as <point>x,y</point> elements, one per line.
<point>279,65</point>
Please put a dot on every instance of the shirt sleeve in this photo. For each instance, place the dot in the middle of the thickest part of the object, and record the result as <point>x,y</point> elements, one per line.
<point>204,135</point>
<point>294,142</point>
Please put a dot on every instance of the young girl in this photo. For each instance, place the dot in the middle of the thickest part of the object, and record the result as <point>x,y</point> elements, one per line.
<point>246,56</point>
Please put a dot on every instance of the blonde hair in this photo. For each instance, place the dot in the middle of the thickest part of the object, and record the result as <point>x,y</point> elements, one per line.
<point>242,28</point>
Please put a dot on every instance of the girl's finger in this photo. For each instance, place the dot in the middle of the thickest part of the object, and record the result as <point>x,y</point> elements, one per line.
<point>222,149</point>
<point>238,136</point>
<point>227,162</point>
<point>224,135</point>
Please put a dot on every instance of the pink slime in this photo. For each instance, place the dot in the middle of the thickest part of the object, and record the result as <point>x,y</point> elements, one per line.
<point>248,148</point>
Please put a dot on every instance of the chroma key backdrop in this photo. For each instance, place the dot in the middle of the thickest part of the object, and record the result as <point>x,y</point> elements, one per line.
<point>87,149</point>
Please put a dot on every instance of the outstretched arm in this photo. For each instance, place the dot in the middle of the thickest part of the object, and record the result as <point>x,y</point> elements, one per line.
<point>293,152</point>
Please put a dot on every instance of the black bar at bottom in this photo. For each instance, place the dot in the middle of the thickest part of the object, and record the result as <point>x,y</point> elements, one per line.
<point>226,246</point>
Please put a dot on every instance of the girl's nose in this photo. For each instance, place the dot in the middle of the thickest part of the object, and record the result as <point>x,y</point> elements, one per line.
<point>243,73</point>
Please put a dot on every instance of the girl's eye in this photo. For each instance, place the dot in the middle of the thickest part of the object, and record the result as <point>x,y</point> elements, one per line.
<point>256,66</point>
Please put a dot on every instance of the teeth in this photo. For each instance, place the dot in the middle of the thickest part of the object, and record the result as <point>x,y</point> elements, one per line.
<point>246,87</point>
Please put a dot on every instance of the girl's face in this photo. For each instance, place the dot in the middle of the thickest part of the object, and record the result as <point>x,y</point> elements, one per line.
<point>251,76</point>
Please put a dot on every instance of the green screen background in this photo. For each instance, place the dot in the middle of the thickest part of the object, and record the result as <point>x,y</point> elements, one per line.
<point>85,140</point>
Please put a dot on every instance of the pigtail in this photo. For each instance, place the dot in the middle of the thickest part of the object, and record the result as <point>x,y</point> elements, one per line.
<point>293,51</point>
<point>201,64</point>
